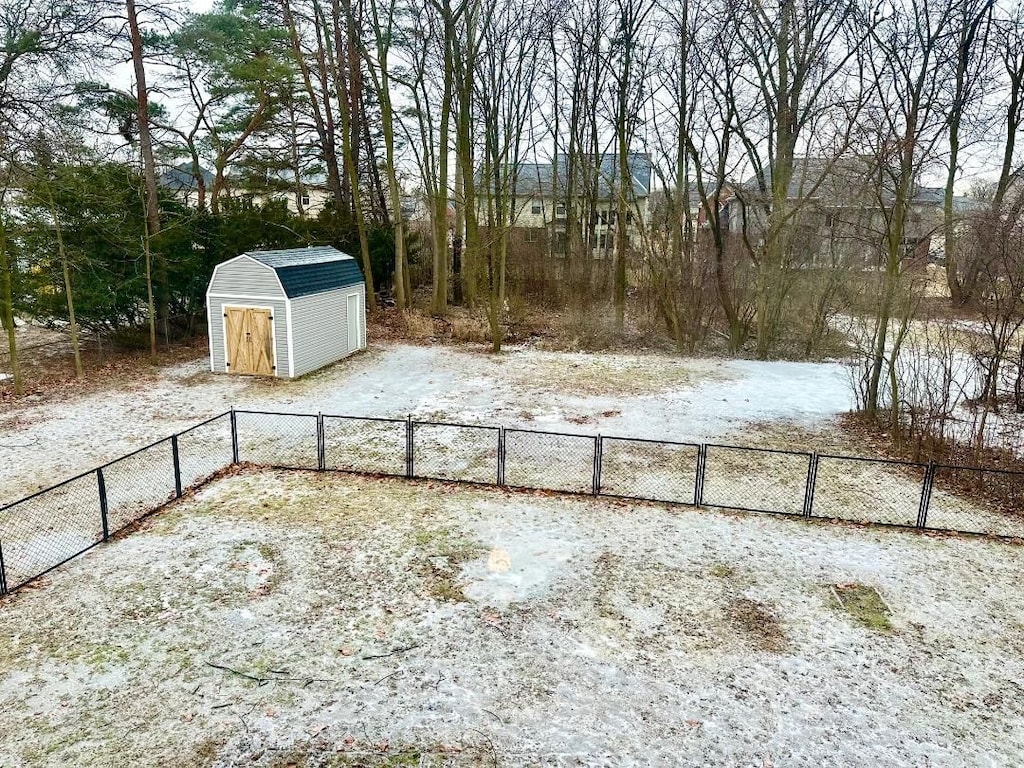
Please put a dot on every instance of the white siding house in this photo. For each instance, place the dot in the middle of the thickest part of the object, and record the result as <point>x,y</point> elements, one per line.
<point>285,313</point>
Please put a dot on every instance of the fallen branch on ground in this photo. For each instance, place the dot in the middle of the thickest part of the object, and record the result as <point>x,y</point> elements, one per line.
<point>261,681</point>
<point>394,652</point>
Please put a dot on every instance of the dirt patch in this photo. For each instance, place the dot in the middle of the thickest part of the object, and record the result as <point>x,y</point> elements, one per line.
<point>759,623</point>
<point>440,564</point>
<point>864,604</point>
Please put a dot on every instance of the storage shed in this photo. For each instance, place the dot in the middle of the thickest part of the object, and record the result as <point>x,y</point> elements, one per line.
<point>285,313</point>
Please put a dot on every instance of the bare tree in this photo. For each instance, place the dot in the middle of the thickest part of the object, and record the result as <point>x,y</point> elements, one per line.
<point>908,65</point>
<point>970,33</point>
<point>507,69</point>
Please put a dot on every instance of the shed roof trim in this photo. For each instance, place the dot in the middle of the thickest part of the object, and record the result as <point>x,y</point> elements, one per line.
<point>297,257</point>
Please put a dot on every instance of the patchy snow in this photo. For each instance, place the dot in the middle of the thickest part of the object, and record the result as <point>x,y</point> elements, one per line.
<point>631,395</point>
<point>465,626</point>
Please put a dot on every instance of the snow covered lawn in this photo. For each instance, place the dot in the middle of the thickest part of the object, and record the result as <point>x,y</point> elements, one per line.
<point>294,618</point>
<point>631,395</point>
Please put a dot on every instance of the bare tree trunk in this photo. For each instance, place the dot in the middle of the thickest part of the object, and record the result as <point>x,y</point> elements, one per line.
<point>68,293</point>
<point>151,199</point>
<point>7,310</point>
<point>348,101</point>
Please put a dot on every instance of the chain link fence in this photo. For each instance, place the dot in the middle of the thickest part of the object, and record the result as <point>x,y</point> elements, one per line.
<point>376,446</point>
<point>44,530</point>
<point>552,461</point>
<point>755,479</point>
<point>278,440</point>
<point>868,490</point>
<point>461,452</point>
<point>48,528</point>
<point>649,470</point>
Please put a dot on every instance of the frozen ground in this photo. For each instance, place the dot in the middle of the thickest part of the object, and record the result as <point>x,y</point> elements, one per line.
<point>299,619</point>
<point>640,396</point>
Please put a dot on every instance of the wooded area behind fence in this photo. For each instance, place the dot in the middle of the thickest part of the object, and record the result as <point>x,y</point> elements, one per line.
<point>45,530</point>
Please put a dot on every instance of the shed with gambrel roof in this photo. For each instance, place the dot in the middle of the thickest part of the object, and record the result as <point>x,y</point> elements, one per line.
<point>285,313</point>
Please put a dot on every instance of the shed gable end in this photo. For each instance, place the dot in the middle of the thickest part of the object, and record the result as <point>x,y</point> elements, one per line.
<point>244,276</point>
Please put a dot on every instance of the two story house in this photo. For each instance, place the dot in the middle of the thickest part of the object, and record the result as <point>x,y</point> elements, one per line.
<point>546,194</point>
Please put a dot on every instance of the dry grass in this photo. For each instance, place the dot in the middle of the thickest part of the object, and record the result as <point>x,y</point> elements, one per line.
<point>48,371</point>
<point>864,604</point>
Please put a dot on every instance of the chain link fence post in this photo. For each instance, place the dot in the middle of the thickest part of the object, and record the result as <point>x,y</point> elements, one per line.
<point>698,482</point>
<point>812,481</point>
<point>176,459</point>
<point>234,437</point>
<point>3,572</point>
<point>321,444</point>
<point>409,448</point>
<point>926,495</point>
<point>102,485</point>
<point>598,452</point>
<point>501,455</point>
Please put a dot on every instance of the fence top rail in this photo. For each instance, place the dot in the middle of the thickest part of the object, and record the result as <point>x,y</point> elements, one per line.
<point>202,423</point>
<point>277,413</point>
<point>593,438</point>
<point>806,454</point>
<point>48,489</point>
<point>869,460</point>
<point>992,470</point>
<point>454,425</point>
<point>383,419</point>
<point>614,438</point>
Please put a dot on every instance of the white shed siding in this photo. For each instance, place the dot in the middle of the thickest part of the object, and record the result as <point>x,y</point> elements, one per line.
<point>320,328</point>
<point>245,277</point>
<point>215,308</point>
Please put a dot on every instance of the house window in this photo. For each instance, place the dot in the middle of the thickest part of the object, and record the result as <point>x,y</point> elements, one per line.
<point>603,217</point>
<point>629,217</point>
<point>305,200</point>
<point>560,210</point>
<point>531,235</point>
<point>535,208</point>
<point>602,242</point>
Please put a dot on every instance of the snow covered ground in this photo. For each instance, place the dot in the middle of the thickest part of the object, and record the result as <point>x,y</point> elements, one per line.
<point>288,618</point>
<point>630,395</point>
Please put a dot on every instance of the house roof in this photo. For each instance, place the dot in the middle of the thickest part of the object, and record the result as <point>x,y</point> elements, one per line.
<point>305,271</point>
<point>537,179</point>
<point>180,177</point>
<point>840,181</point>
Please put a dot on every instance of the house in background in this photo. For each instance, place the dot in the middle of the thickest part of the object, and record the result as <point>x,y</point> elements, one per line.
<point>591,187</point>
<point>181,181</point>
<point>840,207</point>
<point>307,197</point>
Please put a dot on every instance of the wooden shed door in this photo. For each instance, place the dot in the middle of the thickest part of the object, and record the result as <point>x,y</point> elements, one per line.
<point>250,340</point>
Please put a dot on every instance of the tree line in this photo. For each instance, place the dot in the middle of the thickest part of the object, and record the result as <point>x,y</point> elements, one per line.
<point>789,144</point>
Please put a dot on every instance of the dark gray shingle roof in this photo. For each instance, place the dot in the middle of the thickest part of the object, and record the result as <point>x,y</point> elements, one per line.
<point>305,271</point>
<point>538,178</point>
